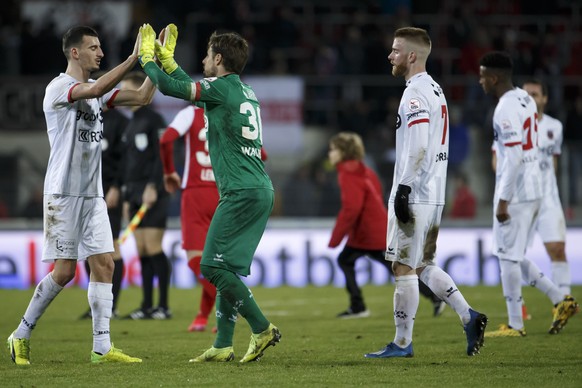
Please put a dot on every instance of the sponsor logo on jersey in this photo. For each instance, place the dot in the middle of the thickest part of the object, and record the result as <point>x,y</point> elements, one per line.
<point>249,94</point>
<point>508,135</point>
<point>529,159</point>
<point>398,121</point>
<point>418,113</point>
<point>89,116</point>
<point>441,157</point>
<point>206,82</point>
<point>413,104</point>
<point>218,257</point>
<point>505,125</point>
<point>87,136</point>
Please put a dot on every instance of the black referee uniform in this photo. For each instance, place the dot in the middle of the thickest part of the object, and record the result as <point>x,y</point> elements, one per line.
<point>142,167</point>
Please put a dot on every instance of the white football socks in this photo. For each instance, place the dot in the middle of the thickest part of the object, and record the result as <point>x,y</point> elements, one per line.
<point>406,299</point>
<point>511,283</point>
<point>101,301</point>
<point>46,290</point>
<point>445,288</point>
<point>535,278</point>
<point>561,276</point>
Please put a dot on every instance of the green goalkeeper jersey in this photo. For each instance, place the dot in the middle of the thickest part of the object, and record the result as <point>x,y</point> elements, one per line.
<point>234,133</point>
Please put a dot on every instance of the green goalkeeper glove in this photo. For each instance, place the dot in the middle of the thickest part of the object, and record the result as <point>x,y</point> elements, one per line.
<point>146,48</point>
<point>165,50</point>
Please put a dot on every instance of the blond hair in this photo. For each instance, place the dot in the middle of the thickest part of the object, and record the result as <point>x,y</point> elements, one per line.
<point>350,145</point>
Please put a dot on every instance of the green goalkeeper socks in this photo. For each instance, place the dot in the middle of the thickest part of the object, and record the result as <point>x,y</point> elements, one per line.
<point>239,299</point>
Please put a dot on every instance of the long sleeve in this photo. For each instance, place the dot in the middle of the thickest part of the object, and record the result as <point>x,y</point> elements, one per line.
<point>167,149</point>
<point>352,200</point>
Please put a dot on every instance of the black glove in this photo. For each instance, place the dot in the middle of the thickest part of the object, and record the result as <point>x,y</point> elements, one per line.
<point>401,203</point>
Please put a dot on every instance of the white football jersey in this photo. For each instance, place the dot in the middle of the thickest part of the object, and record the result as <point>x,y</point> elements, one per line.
<point>75,130</point>
<point>550,137</point>
<point>517,174</point>
<point>422,141</point>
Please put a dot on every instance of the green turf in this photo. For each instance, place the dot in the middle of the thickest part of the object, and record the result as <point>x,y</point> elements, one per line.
<point>317,350</point>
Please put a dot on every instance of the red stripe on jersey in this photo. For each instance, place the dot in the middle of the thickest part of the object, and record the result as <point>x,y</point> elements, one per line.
<point>197,95</point>
<point>110,102</point>
<point>515,143</point>
<point>70,95</point>
<point>419,121</point>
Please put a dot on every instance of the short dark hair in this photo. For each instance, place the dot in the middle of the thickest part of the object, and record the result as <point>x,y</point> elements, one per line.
<point>496,60</point>
<point>537,81</point>
<point>233,48</point>
<point>74,36</point>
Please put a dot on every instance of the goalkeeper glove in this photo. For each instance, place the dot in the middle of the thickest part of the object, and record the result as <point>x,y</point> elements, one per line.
<point>146,48</point>
<point>401,203</point>
<point>165,50</point>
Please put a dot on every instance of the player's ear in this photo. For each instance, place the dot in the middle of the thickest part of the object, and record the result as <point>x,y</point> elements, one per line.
<point>412,56</point>
<point>74,52</point>
<point>218,59</point>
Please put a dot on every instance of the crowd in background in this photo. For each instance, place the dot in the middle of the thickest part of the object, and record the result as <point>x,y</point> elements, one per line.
<point>340,47</point>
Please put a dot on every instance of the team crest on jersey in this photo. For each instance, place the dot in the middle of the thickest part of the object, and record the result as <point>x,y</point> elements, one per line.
<point>550,134</point>
<point>413,104</point>
<point>206,82</point>
<point>141,141</point>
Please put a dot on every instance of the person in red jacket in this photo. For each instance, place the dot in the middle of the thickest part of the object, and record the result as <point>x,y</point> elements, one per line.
<point>464,201</point>
<point>363,218</point>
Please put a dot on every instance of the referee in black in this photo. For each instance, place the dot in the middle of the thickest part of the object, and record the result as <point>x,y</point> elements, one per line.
<point>143,181</point>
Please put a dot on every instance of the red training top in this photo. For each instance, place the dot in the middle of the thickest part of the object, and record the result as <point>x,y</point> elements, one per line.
<point>363,216</point>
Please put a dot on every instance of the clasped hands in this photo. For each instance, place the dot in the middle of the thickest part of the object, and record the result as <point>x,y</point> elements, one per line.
<point>161,48</point>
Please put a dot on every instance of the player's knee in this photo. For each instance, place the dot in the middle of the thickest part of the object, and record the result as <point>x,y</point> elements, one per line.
<point>62,278</point>
<point>209,273</point>
<point>556,251</point>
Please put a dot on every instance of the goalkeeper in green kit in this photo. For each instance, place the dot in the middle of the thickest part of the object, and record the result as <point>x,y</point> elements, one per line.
<point>246,191</point>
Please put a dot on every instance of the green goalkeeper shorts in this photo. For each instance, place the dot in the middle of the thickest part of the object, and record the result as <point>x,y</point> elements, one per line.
<point>236,229</point>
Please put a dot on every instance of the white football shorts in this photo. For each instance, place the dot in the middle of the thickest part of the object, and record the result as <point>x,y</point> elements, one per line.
<point>75,228</point>
<point>511,238</point>
<point>414,243</point>
<point>551,223</point>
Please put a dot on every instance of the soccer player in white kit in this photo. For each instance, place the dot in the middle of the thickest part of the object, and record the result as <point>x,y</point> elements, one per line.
<point>76,225</point>
<point>550,223</point>
<point>517,198</point>
<point>418,196</point>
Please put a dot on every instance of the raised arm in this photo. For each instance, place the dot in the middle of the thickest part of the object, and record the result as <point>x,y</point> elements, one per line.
<point>170,86</point>
<point>108,80</point>
<point>142,96</point>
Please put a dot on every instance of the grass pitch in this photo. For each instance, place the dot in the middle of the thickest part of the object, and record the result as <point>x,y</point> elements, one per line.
<point>316,350</point>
